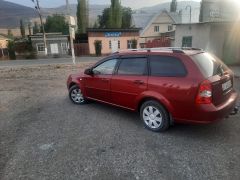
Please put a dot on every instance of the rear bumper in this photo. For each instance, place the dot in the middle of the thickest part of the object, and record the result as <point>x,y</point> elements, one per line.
<point>209,113</point>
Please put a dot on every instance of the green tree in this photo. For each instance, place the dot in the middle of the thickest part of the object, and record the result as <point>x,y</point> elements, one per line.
<point>126,17</point>
<point>56,23</point>
<point>29,28</point>
<point>11,50</point>
<point>105,20</point>
<point>36,28</point>
<point>22,28</point>
<point>10,34</point>
<point>173,6</point>
<point>82,16</point>
<point>115,14</point>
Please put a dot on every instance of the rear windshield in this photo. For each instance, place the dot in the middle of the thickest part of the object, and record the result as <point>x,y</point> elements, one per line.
<point>209,64</point>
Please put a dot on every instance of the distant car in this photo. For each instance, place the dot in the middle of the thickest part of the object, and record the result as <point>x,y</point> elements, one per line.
<point>164,85</point>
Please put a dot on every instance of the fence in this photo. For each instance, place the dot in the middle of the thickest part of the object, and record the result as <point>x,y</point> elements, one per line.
<point>81,49</point>
<point>162,42</point>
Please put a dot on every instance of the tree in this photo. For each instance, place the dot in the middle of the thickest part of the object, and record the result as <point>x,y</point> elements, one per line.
<point>56,23</point>
<point>82,16</point>
<point>115,19</point>
<point>29,28</point>
<point>10,34</point>
<point>173,6</point>
<point>36,28</point>
<point>105,20</point>
<point>22,28</point>
<point>126,17</point>
<point>11,50</point>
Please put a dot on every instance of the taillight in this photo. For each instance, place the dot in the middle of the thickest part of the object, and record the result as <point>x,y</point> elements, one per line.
<point>204,95</point>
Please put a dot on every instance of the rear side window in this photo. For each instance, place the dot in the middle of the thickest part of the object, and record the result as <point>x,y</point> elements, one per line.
<point>209,64</point>
<point>167,66</point>
<point>133,66</point>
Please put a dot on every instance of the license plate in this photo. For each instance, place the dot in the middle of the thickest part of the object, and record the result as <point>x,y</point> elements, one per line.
<point>226,85</point>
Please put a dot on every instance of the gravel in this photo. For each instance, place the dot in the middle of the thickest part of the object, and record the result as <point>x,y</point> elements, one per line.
<point>44,136</point>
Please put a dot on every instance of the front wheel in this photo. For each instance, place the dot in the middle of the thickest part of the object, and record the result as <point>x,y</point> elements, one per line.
<point>76,96</point>
<point>154,116</point>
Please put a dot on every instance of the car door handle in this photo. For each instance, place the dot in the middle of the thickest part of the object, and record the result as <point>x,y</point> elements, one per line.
<point>140,82</point>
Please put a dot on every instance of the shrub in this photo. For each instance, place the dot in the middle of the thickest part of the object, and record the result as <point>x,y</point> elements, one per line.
<point>98,47</point>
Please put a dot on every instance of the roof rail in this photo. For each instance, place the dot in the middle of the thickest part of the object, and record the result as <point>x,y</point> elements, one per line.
<point>173,49</point>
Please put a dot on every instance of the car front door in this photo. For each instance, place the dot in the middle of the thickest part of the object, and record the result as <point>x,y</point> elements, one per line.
<point>97,85</point>
<point>129,81</point>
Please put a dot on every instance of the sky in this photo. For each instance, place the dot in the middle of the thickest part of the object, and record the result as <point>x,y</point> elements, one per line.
<point>134,4</point>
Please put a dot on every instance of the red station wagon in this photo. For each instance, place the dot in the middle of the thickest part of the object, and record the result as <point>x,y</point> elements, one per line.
<point>164,85</point>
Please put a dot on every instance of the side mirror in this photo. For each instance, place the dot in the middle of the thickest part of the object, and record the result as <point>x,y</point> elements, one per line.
<point>88,72</point>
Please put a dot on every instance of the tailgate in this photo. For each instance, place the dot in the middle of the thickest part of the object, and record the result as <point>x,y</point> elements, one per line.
<point>222,87</point>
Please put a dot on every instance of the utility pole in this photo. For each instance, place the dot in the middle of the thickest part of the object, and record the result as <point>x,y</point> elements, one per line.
<point>70,32</point>
<point>37,7</point>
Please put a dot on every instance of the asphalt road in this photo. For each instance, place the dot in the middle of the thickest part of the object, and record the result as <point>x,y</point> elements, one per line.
<point>35,62</point>
<point>44,136</point>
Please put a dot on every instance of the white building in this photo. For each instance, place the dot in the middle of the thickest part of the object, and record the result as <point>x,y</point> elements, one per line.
<point>219,38</point>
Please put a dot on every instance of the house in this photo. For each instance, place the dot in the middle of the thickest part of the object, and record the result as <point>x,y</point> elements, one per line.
<point>57,44</point>
<point>3,46</point>
<point>112,40</point>
<point>219,38</point>
<point>161,25</point>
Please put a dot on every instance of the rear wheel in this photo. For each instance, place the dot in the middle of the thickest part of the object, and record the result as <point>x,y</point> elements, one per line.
<point>76,96</point>
<point>154,116</point>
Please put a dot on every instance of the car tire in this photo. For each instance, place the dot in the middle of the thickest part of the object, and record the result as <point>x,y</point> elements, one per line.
<point>154,116</point>
<point>76,95</point>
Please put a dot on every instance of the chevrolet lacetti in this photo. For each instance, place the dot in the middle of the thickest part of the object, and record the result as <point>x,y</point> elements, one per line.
<point>164,85</point>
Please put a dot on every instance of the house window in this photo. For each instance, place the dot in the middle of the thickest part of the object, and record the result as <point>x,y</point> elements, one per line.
<point>64,48</point>
<point>187,41</point>
<point>129,44</point>
<point>156,28</point>
<point>170,27</point>
<point>119,45</point>
<point>110,44</point>
<point>40,47</point>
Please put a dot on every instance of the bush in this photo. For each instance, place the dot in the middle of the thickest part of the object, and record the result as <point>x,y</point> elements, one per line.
<point>98,47</point>
<point>11,50</point>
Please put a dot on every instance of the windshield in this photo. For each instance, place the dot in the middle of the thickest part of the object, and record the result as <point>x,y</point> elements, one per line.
<point>209,64</point>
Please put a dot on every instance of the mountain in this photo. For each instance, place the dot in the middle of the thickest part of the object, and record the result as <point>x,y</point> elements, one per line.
<point>94,11</point>
<point>11,13</point>
<point>143,14</point>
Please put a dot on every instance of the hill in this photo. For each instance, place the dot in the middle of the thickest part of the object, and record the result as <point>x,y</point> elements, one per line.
<point>11,13</point>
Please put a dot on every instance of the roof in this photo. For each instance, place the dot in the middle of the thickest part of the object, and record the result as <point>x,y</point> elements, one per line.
<point>141,20</point>
<point>176,18</point>
<point>113,30</point>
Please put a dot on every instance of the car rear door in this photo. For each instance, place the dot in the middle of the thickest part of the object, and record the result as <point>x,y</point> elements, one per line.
<point>129,81</point>
<point>97,86</point>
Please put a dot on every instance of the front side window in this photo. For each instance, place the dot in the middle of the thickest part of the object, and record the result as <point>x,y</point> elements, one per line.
<point>133,66</point>
<point>166,66</point>
<point>106,68</point>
